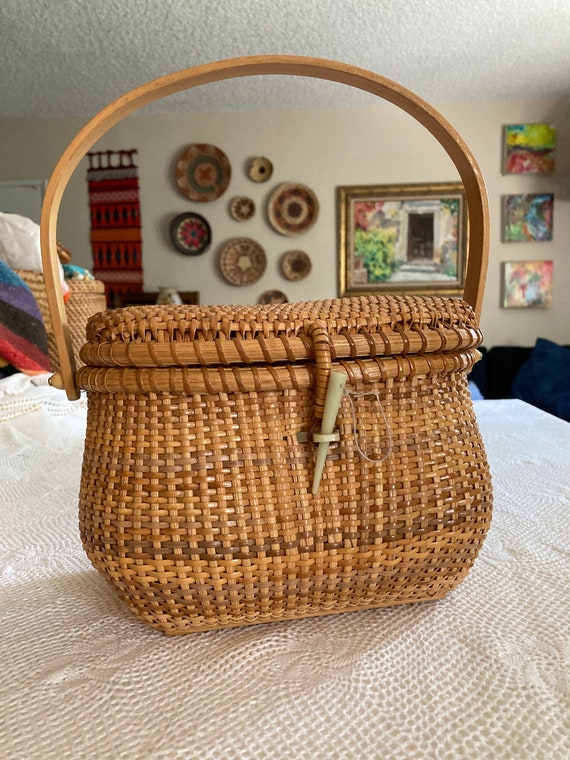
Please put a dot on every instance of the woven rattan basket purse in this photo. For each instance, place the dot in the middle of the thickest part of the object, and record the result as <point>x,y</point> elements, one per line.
<point>260,463</point>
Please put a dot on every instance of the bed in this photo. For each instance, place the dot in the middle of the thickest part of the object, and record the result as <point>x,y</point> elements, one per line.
<point>483,673</point>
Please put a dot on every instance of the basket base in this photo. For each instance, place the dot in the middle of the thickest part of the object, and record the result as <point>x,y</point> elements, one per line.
<point>175,611</point>
<point>177,631</point>
<point>199,509</point>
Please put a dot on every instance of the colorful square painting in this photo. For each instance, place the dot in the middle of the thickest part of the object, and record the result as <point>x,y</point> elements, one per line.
<point>527,284</point>
<point>527,218</point>
<point>529,148</point>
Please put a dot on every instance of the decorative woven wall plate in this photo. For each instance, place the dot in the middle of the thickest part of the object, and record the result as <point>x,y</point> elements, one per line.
<point>260,169</point>
<point>190,233</point>
<point>242,261</point>
<point>292,208</point>
<point>242,208</point>
<point>295,265</point>
<point>272,296</point>
<point>203,172</point>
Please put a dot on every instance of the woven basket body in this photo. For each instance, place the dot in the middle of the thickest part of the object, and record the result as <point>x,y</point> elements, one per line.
<point>196,499</point>
<point>87,297</point>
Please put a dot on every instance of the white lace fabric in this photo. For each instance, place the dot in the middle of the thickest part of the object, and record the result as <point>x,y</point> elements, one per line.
<point>482,674</point>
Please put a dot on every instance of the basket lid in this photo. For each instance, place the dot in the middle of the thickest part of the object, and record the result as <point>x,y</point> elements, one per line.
<point>357,327</point>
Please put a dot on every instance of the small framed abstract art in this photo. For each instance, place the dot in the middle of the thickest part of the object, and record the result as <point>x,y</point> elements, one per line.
<point>528,218</point>
<point>527,284</point>
<point>529,148</point>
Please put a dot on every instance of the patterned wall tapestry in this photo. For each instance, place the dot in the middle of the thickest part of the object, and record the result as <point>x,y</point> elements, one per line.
<point>115,223</point>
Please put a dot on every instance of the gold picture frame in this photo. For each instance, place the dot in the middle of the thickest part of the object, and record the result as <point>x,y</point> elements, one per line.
<point>402,239</point>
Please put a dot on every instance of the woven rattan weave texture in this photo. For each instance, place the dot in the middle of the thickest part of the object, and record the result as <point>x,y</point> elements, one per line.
<point>196,500</point>
<point>86,298</point>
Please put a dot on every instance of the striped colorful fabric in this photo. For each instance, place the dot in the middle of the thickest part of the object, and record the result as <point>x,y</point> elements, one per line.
<point>23,338</point>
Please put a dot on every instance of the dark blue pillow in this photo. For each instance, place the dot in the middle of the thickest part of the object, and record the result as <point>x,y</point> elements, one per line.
<point>544,379</point>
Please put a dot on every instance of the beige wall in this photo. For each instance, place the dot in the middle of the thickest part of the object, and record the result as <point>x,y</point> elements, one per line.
<point>323,149</point>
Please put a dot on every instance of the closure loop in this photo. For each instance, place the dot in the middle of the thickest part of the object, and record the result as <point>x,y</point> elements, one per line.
<point>321,341</point>
<point>351,395</point>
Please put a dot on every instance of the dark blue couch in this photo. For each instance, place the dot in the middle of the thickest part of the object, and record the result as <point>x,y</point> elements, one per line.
<point>538,374</point>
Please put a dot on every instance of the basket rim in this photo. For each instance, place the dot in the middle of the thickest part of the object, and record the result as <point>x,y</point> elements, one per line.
<point>357,327</point>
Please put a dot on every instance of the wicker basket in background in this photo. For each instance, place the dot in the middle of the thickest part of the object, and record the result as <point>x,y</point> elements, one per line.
<point>87,297</point>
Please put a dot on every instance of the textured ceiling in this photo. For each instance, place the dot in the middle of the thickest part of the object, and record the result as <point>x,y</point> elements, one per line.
<point>61,58</point>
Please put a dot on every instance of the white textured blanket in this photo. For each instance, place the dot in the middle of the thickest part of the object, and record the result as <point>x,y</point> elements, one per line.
<point>482,674</point>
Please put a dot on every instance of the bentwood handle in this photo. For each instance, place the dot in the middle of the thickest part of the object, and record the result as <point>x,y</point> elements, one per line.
<point>445,134</point>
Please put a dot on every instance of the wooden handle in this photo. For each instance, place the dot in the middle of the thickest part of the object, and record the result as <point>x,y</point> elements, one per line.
<point>445,134</point>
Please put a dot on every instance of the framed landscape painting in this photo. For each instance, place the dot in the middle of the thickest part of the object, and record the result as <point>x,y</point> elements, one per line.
<point>402,238</point>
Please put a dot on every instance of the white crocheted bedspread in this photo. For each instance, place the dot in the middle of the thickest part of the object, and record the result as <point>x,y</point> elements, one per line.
<point>484,673</point>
